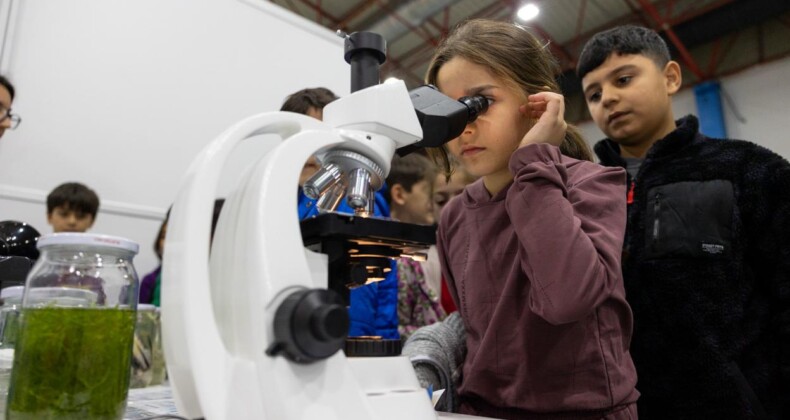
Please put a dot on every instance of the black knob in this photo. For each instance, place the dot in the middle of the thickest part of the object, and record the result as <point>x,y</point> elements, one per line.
<point>310,325</point>
<point>329,322</point>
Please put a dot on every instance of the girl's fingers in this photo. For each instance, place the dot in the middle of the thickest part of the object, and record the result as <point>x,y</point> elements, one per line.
<point>537,106</point>
<point>554,108</point>
<point>548,109</point>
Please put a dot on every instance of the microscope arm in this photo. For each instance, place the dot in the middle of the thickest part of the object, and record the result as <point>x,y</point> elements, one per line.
<point>193,345</point>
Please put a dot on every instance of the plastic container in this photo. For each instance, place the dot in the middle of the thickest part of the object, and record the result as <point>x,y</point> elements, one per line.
<point>73,351</point>
<point>148,363</point>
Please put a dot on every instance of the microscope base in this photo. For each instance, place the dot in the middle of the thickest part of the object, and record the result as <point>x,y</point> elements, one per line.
<point>392,388</point>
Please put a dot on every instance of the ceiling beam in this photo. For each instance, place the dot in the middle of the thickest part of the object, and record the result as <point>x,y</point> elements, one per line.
<point>354,13</point>
<point>416,51</point>
<point>662,24</point>
<point>420,31</point>
<point>689,14</point>
<point>318,9</point>
<point>557,48</point>
<point>579,23</point>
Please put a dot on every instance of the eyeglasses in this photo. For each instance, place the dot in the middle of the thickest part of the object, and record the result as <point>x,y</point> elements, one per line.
<point>15,119</point>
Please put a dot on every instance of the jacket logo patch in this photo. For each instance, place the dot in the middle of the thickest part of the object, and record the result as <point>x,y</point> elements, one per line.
<point>713,249</point>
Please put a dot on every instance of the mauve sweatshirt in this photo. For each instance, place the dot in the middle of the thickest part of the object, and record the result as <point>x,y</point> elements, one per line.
<point>535,272</point>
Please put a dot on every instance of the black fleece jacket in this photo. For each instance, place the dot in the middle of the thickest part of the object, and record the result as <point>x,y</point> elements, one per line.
<point>707,273</point>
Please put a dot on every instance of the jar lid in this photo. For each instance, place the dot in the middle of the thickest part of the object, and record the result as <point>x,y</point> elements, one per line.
<point>12,292</point>
<point>90,239</point>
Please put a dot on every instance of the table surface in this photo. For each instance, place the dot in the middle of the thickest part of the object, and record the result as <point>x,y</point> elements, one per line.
<point>158,400</point>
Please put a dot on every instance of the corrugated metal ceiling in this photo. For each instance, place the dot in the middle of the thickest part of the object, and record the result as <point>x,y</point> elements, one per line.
<point>700,32</point>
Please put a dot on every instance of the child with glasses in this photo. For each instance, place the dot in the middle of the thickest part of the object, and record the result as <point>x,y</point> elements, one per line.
<point>7,119</point>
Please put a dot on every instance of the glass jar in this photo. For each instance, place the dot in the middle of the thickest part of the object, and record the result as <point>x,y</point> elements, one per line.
<point>9,315</point>
<point>73,352</point>
<point>6,363</point>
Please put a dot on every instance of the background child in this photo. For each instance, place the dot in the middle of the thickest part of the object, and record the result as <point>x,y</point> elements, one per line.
<point>372,307</point>
<point>152,281</point>
<point>707,271</point>
<point>410,197</point>
<point>72,207</point>
<point>444,190</point>
<point>310,102</point>
<point>151,285</point>
<point>7,119</point>
<point>531,251</point>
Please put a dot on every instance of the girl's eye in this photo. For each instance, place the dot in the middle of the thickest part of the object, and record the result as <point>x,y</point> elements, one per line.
<point>595,97</point>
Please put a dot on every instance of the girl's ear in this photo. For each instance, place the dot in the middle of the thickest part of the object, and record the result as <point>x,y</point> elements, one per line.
<point>398,194</point>
<point>673,77</point>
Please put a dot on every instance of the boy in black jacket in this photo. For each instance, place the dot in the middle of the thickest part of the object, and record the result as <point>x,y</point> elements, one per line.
<point>707,257</point>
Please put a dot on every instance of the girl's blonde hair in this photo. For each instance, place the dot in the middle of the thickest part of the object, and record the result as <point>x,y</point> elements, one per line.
<point>512,54</point>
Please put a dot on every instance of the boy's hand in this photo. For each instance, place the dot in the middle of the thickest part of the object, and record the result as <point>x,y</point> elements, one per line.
<point>548,108</point>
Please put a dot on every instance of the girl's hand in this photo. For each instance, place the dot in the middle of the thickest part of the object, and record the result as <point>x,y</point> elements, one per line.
<point>548,108</point>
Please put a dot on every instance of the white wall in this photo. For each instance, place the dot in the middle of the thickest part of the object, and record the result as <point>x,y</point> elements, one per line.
<point>759,94</point>
<point>121,95</point>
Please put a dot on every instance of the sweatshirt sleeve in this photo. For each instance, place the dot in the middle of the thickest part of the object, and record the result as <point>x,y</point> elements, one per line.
<point>570,224</point>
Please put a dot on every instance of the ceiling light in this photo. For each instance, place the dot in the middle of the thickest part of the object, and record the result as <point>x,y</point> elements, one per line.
<point>528,12</point>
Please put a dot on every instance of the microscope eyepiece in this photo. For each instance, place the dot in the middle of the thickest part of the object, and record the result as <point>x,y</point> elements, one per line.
<point>476,105</point>
<point>442,118</point>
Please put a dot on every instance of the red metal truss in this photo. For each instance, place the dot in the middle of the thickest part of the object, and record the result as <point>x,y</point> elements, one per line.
<point>661,23</point>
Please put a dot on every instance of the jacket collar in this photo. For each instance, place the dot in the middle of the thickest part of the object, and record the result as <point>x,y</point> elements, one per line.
<point>608,151</point>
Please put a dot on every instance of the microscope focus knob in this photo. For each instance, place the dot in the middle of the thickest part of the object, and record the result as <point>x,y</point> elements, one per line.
<point>310,325</point>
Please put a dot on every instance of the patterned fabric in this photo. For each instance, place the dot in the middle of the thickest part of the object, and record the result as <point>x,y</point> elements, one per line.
<point>418,305</point>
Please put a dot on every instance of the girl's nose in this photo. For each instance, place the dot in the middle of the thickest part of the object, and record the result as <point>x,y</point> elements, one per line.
<point>469,129</point>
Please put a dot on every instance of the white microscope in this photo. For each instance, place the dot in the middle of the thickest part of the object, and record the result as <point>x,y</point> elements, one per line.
<point>251,330</point>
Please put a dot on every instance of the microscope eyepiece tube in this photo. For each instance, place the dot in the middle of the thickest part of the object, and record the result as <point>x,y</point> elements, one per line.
<point>358,187</point>
<point>326,177</point>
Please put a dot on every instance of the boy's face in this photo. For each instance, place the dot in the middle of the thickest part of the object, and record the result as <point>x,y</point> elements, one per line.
<point>630,98</point>
<point>415,206</point>
<point>64,219</point>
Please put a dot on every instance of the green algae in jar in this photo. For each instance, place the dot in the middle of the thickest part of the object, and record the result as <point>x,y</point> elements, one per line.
<point>73,352</point>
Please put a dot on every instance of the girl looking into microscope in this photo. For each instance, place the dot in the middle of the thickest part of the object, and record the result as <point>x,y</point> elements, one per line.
<point>531,251</point>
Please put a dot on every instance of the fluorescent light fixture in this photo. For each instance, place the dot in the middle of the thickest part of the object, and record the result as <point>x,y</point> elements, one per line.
<point>528,12</point>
